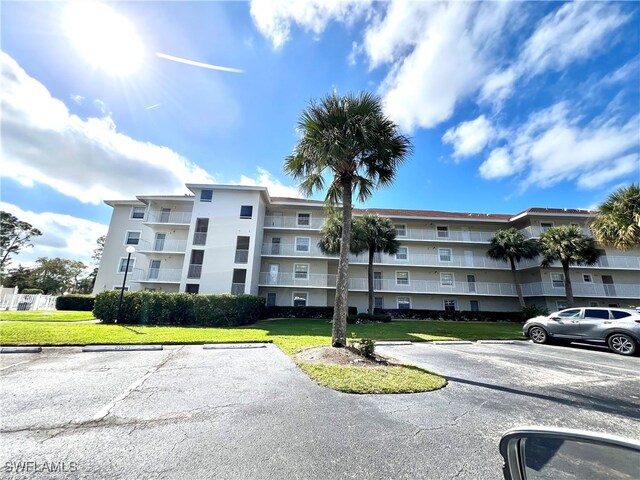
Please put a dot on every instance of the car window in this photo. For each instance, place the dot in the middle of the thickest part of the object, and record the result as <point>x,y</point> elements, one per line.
<point>571,313</point>
<point>592,313</point>
<point>619,314</point>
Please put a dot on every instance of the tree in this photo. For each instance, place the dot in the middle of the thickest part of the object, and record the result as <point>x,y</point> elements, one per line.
<point>617,223</point>
<point>569,246</point>
<point>21,277</point>
<point>86,284</point>
<point>56,275</point>
<point>511,246</point>
<point>350,140</point>
<point>15,235</point>
<point>97,253</point>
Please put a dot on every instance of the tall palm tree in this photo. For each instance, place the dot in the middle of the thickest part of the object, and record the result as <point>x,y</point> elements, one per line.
<point>617,223</point>
<point>568,245</point>
<point>349,140</point>
<point>511,246</point>
<point>374,234</point>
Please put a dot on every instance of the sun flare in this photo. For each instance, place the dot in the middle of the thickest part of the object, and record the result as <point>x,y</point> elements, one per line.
<point>105,38</point>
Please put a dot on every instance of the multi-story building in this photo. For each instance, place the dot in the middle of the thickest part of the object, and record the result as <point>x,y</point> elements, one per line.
<point>238,239</point>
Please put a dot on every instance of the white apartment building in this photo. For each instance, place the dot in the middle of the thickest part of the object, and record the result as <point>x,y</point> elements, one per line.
<point>239,239</point>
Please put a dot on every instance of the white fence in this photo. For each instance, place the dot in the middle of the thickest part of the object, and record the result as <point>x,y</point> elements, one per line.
<point>28,302</point>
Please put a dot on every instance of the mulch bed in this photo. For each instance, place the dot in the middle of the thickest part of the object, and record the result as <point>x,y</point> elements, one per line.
<point>338,356</point>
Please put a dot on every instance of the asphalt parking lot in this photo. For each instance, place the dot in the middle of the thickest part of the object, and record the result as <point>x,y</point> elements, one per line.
<point>186,412</point>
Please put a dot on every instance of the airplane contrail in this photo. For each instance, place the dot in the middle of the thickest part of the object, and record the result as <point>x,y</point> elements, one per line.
<point>198,64</point>
<point>153,106</point>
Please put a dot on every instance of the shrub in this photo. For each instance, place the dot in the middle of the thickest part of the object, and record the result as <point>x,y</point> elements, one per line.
<point>366,318</point>
<point>303,312</point>
<point>32,291</point>
<point>160,308</point>
<point>79,303</point>
<point>417,314</point>
<point>367,346</point>
<point>531,311</point>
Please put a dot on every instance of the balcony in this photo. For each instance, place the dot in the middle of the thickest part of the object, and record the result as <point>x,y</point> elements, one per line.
<point>164,246</point>
<point>591,290</point>
<point>291,222</point>
<point>534,232</point>
<point>619,262</point>
<point>156,275</point>
<point>463,236</point>
<point>168,218</point>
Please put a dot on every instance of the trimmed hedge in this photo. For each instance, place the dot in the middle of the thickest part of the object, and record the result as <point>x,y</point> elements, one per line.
<point>417,314</point>
<point>302,312</point>
<point>78,303</point>
<point>366,318</point>
<point>160,308</point>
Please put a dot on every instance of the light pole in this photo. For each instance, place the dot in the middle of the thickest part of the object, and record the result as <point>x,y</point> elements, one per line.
<point>130,250</point>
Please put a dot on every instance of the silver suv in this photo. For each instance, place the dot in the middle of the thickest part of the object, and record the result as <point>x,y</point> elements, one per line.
<point>619,328</point>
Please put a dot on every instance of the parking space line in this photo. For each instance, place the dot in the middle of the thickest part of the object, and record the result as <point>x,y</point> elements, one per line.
<point>15,365</point>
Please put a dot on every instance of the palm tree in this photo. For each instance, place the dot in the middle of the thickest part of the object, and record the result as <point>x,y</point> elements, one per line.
<point>617,223</point>
<point>351,141</point>
<point>511,246</point>
<point>568,245</point>
<point>374,234</point>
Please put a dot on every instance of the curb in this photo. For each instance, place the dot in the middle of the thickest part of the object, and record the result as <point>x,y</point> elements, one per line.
<point>120,348</point>
<point>497,342</point>
<point>451,342</point>
<point>229,346</point>
<point>20,349</point>
<point>391,342</point>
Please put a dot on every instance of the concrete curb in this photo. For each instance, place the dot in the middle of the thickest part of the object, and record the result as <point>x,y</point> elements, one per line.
<point>497,342</point>
<point>232,346</point>
<point>120,348</point>
<point>20,349</point>
<point>451,342</point>
<point>391,342</point>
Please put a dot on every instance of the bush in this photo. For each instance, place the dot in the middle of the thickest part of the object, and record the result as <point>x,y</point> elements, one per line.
<point>366,318</point>
<point>79,303</point>
<point>417,314</point>
<point>32,291</point>
<point>303,312</point>
<point>531,311</point>
<point>160,308</point>
<point>367,346</point>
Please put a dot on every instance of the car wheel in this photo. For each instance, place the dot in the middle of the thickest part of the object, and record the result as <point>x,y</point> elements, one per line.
<point>622,344</point>
<point>538,335</point>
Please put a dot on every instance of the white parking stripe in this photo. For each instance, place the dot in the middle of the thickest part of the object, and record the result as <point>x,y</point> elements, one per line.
<point>14,365</point>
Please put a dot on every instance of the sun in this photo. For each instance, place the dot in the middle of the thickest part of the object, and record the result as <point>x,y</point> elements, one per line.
<point>105,38</point>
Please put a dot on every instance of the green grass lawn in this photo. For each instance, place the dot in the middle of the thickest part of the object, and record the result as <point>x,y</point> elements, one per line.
<point>291,335</point>
<point>45,316</point>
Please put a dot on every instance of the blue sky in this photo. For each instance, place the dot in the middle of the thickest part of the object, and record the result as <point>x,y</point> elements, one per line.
<point>509,105</point>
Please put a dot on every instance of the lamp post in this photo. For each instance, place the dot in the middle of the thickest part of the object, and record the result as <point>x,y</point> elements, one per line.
<point>130,250</point>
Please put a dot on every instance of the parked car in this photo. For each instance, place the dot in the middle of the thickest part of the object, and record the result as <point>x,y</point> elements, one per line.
<point>618,328</point>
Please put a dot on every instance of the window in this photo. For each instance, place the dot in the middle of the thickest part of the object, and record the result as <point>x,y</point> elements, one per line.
<point>378,302</point>
<point>242,249</point>
<point>402,254</point>
<point>402,278</point>
<point>557,280</point>
<point>544,226</point>
<point>137,212</point>
<point>302,244</point>
<point>571,313</point>
<point>238,281</point>
<point>450,306</point>
<point>123,265</point>
<point>246,211</point>
<point>132,238</point>
<point>561,304</point>
<point>192,288</point>
<point>471,283</point>
<point>447,279</point>
<point>206,195</point>
<point>444,254</point>
<point>119,287</point>
<point>301,271</point>
<point>614,305</point>
<point>593,304</point>
<point>475,306</point>
<point>442,231</point>
<point>195,264</point>
<point>304,219</point>
<point>619,314</point>
<point>271,299</point>
<point>401,230</point>
<point>300,299</point>
<point>149,289</point>
<point>404,303</point>
<point>200,235</point>
<point>586,278</point>
<point>593,313</point>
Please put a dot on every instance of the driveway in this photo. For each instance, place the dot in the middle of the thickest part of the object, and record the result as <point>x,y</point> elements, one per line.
<point>186,412</point>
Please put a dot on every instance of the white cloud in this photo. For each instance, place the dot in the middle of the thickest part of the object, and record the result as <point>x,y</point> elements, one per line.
<point>469,138</point>
<point>266,179</point>
<point>274,18</point>
<point>575,31</point>
<point>63,236</point>
<point>554,145</point>
<point>43,143</point>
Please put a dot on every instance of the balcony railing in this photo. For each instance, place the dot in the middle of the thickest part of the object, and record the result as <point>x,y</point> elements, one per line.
<point>315,223</point>
<point>157,275</point>
<point>200,238</point>
<point>618,261</point>
<point>449,236</point>
<point>237,288</point>
<point>617,290</point>
<point>534,232</point>
<point>159,245</point>
<point>177,218</point>
<point>195,271</point>
<point>242,256</point>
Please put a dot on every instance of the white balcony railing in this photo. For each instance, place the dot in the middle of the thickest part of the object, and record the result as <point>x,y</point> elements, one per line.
<point>618,261</point>
<point>156,275</point>
<point>176,218</point>
<point>534,232</point>
<point>159,245</point>
<point>314,223</point>
<point>449,236</point>
<point>618,290</point>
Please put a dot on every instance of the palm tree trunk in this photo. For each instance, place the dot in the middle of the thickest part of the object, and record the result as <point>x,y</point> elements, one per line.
<point>517,283</point>
<point>339,333</point>
<point>568,288</point>
<point>370,280</point>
